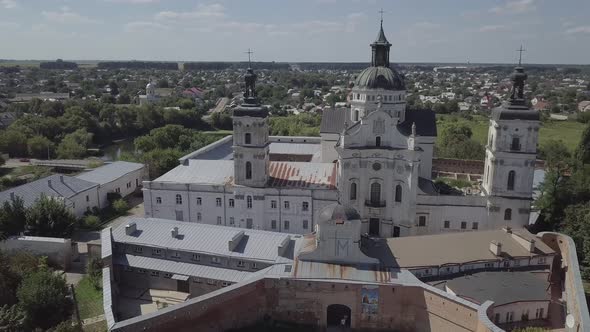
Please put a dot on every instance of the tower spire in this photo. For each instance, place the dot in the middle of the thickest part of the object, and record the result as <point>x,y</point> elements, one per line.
<point>380,47</point>
<point>520,50</point>
<point>381,12</point>
<point>249,52</point>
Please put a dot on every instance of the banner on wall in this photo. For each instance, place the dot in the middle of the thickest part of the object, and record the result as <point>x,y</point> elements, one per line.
<point>370,299</point>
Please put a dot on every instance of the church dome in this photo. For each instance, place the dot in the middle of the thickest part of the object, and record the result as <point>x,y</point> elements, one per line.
<point>150,86</point>
<point>339,212</point>
<point>379,77</point>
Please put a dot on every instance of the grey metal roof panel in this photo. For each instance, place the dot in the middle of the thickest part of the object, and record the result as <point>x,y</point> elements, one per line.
<point>110,172</point>
<point>106,245</point>
<point>56,185</point>
<point>294,148</point>
<point>208,239</point>
<point>333,121</point>
<point>502,287</point>
<point>182,268</point>
<point>425,121</point>
<point>201,172</point>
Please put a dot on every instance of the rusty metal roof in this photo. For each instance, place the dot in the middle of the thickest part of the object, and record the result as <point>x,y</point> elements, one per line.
<point>302,175</point>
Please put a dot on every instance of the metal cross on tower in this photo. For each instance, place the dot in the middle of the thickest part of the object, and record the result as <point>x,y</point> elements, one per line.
<point>381,12</point>
<point>249,60</point>
<point>520,50</point>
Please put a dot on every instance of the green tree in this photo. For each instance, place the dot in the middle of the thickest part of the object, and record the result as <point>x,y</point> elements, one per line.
<point>455,142</point>
<point>94,271</point>
<point>12,217</point>
<point>9,281</point>
<point>160,161</point>
<point>74,145</point>
<point>40,147</point>
<point>50,217</point>
<point>583,150</point>
<point>120,206</point>
<point>43,297</point>
<point>114,88</point>
<point>12,319</point>
<point>14,142</point>
<point>577,226</point>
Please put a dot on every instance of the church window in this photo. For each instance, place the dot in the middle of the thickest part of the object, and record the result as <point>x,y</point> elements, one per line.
<point>464,225</point>
<point>248,138</point>
<point>398,193</point>
<point>248,170</point>
<point>199,216</point>
<point>178,199</point>
<point>179,215</point>
<point>376,166</point>
<point>286,226</point>
<point>273,204</point>
<point>378,141</point>
<point>515,146</point>
<point>232,203</point>
<point>375,193</point>
<point>475,225</point>
<point>305,206</point>
<point>159,200</point>
<point>356,115</point>
<point>249,222</point>
<point>287,205</point>
<point>249,202</point>
<point>273,224</point>
<point>218,201</point>
<point>511,179</point>
<point>508,214</point>
<point>305,224</point>
<point>352,191</point>
<point>422,221</point>
<point>232,221</point>
<point>218,220</point>
<point>199,201</point>
<point>447,224</point>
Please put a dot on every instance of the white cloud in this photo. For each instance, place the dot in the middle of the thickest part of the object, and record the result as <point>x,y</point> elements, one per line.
<point>66,15</point>
<point>8,4</point>
<point>580,29</point>
<point>9,25</point>
<point>515,7</point>
<point>134,1</point>
<point>493,28</point>
<point>144,25</point>
<point>201,12</point>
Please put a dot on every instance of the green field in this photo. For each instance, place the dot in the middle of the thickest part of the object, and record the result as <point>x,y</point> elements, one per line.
<point>567,131</point>
<point>89,299</point>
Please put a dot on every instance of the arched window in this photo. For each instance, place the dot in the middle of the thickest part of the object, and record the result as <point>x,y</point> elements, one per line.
<point>375,193</point>
<point>398,193</point>
<point>178,199</point>
<point>352,191</point>
<point>515,146</point>
<point>356,115</point>
<point>248,138</point>
<point>378,141</point>
<point>249,202</point>
<point>511,179</point>
<point>508,214</point>
<point>248,170</point>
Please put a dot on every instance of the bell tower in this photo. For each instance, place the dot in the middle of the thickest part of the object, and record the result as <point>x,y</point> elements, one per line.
<point>511,153</point>
<point>251,142</point>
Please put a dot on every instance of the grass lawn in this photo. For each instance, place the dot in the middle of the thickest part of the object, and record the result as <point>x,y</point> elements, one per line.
<point>89,299</point>
<point>569,132</point>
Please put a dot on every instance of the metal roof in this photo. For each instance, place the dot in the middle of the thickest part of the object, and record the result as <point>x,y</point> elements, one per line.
<point>502,287</point>
<point>52,186</point>
<point>332,121</point>
<point>294,148</point>
<point>440,249</point>
<point>208,239</point>
<point>201,172</point>
<point>187,269</point>
<point>302,175</point>
<point>110,172</point>
<point>425,121</point>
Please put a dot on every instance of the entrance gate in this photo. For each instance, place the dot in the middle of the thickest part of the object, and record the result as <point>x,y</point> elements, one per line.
<point>336,313</point>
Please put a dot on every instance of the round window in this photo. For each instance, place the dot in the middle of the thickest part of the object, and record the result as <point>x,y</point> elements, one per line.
<point>376,166</point>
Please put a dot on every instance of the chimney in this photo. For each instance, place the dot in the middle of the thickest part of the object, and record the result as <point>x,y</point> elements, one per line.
<point>496,248</point>
<point>49,184</point>
<point>61,178</point>
<point>527,244</point>
<point>284,245</point>
<point>235,240</point>
<point>507,229</point>
<point>174,232</point>
<point>130,228</point>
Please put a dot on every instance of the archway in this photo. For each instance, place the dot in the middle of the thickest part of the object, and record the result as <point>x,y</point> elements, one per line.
<point>336,313</point>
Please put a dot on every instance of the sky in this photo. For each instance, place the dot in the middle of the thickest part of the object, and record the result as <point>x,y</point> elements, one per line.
<point>479,31</point>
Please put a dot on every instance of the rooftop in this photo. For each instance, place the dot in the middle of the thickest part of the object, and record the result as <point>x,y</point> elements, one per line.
<point>52,186</point>
<point>208,239</point>
<point>110,172</point>
<point>502,287</point>
<point>436,250</point>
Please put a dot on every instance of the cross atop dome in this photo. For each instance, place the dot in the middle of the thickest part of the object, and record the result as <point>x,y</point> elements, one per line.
<point>380,47</point>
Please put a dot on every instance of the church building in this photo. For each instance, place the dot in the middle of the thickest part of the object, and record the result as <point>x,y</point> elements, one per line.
<point>375,156</point>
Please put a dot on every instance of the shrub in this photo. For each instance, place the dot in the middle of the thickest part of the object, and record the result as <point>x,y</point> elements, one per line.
<point>120,206</point>
<point>94,271</point>
<point>91,222</point>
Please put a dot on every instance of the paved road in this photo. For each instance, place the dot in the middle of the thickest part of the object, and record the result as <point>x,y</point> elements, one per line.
<point>14,163</point>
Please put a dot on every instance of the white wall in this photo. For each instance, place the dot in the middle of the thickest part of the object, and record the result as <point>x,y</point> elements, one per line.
<point>518,309</point>
<point>57,250</point>
<point>125,185</point>
<point>84,201</point>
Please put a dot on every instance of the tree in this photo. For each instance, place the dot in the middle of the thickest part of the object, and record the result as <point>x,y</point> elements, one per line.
<point>14,142</point>
<point>455,142</point>
<point>74,145</point>
<point>12,217</point>
<point>94,271</point>
<point>583,150</point>
<point>114,88</point>
<point>40,147</point>
<point>577,226</point>
<point>12,318</point>
<point>43,297</point>
<point>120,206</point>
<point>160,161</point>
<point>8,282</point>
<point>50,217</point>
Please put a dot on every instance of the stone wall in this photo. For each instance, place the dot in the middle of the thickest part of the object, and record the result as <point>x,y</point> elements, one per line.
<point>57,250</point>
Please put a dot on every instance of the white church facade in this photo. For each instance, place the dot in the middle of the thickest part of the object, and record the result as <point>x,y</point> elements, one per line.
<point>374,156</point>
